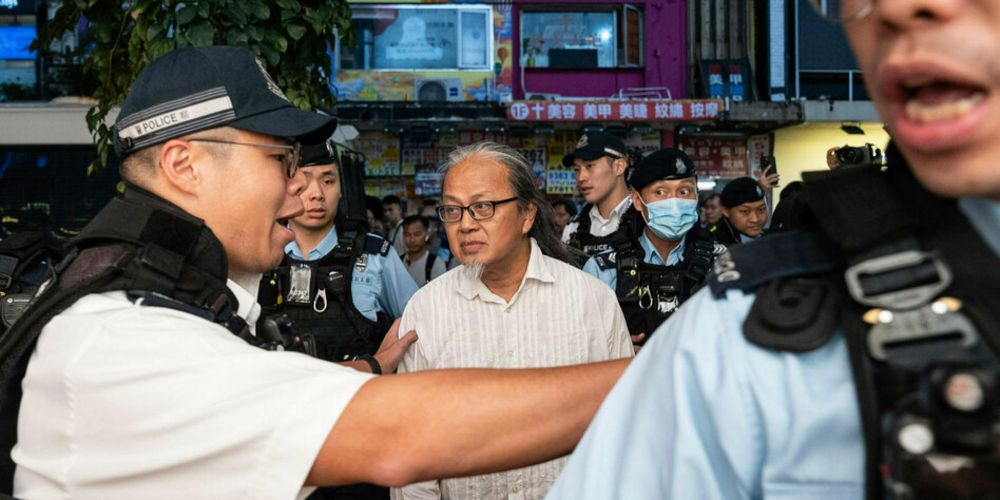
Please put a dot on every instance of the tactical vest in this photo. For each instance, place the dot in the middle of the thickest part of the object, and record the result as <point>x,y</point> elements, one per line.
<point>648,294</point>
<point>916,292</point>
<point>589,244</point>
<point>316,296</point>
<point>26,260</point>
<point>140,244</point>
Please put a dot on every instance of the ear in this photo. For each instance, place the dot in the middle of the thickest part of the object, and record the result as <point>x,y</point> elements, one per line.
<point>530,212</point>
<point>636,202</point>
<point>178,169</point>
<point>619,165</point>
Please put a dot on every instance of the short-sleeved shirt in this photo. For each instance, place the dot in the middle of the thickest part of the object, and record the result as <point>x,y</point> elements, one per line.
<point>703,413</point>
<point>383,285</point>
<point>130,401</point>
<point>609,275</point>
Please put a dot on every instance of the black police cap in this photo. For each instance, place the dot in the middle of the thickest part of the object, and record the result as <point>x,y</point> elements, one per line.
<point>198,88</point>
<point>666,164</point>
<point>320,153</point>
<point>740,191</point>
<point>592,146</point>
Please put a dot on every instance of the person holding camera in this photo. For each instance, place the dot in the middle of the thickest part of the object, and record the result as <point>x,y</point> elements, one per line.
<point>136,372</point>
<point>856,357</point>
<point>667,255</point>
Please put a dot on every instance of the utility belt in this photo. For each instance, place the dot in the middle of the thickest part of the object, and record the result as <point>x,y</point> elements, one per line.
<point>918,301</point>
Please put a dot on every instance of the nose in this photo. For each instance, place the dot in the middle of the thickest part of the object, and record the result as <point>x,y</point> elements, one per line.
<point>296,184</point>
<point>467,223</point>
<point>313,191</point>
<point>913,13</point>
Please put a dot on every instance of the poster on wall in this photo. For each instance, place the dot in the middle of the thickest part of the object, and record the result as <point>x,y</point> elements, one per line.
<point>382,152</point>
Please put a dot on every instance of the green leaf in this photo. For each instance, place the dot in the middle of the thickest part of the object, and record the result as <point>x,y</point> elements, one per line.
<point>201,34</point>
<point>261,11</point>
<point>186,15</point>
<point>295,31</point>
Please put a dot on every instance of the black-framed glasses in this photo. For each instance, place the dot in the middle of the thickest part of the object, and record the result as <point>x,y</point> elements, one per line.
<point>290,160</point>
<point>843,11</point>
<point>480,210</point>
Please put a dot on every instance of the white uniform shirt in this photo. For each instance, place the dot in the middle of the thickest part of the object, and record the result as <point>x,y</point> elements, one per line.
<point>599,226</point>
<point>559,316</point>
<point>129,401</point>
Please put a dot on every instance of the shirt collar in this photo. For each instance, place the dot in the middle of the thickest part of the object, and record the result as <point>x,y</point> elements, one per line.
<point>327,244</point>
<point>654,257</point>
<point>246,295</point>
<point>616,212</point>
<point>538,270</point>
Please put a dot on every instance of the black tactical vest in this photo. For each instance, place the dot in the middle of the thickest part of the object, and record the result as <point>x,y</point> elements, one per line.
<point>140,244</point>
<point>916,292</point>
<point>316,296</point>
<point>589,244</point>
<point>648,294</point>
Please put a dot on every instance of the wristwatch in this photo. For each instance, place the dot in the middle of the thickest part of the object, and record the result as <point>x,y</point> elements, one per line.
<point>372,362</point>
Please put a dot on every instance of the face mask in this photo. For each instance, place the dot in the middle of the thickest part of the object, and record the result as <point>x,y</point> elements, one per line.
<point>670,219</point>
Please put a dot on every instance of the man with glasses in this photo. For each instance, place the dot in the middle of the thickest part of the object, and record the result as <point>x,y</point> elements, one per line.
<point>858,358</point>
<point>139,364</point>
<point>513,303</point>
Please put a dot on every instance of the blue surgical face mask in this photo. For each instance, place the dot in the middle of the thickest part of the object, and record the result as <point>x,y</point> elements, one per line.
<point>670,219</point>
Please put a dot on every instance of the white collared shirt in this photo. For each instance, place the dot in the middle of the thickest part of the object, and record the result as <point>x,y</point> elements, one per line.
<point>123,400</point>
<point>559,316</point>
<point>599,226</point>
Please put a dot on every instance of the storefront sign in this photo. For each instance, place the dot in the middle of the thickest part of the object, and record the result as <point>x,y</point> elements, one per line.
<point>718,156</point>
<point>656,109</point>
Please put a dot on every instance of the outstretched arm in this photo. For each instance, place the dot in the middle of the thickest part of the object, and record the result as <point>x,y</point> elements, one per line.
<point>461,422</point>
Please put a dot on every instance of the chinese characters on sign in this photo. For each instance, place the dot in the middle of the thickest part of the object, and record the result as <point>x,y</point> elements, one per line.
<point>727,78</point>
<point>718,157</point>
<point>659,109</point>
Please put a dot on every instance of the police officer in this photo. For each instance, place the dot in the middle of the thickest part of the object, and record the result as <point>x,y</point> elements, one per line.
<point>744,212</point>
<point>857,358</point>
<point>338,283</point>
<point>667,255</point>
<point>599,162</point>
<point>141,372</point>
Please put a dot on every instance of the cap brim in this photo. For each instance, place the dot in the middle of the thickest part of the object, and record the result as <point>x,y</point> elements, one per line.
<point>583,154</point>
<point>289,122</point>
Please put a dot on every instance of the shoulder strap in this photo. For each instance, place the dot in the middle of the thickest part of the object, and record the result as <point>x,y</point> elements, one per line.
<point>429,265</point>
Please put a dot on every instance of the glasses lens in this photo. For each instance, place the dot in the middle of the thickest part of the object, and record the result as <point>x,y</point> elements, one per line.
<point>842,10</point>
<point>449,213</point>
<point>482,209</point>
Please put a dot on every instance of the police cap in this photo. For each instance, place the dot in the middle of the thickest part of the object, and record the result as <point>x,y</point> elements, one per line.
<point>594,145</point>
<point>198,88</point>
<point>320,153</point>
<point>740,191</point>
<point>666,164</point>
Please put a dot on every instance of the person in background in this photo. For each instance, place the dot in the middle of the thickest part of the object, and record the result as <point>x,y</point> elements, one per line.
<point>710,210</point>
<point>422,264</point>
<point>393,207</point>
<point>376,215</point>
<point>563,210</point>
<point>599,161</point>
<point>744,212</point>
<point>514,301</point>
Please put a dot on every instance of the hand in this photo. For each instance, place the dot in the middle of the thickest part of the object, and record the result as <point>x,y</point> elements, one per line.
<point>767,182</point>
<point>637,342</point>
<point>391,352</point>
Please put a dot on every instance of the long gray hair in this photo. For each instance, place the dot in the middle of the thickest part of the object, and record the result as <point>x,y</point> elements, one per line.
<point>522,183</point>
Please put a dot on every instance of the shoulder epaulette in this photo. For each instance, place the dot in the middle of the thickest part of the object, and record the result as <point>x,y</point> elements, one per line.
<point>605,260</point>
<point>375,244</point>
<point>795,253</point>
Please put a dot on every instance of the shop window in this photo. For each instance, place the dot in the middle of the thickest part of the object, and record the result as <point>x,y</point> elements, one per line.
<point>405,37</point>
<point>599,38</point>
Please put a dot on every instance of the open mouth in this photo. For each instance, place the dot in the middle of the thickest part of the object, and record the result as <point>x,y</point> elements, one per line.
<point>937,100</point>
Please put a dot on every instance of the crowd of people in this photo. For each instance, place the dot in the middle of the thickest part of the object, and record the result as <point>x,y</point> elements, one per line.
<point>219,330</point>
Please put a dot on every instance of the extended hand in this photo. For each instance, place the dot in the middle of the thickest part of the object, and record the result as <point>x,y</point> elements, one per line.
<point>767,182</point>
<point>393,348</point>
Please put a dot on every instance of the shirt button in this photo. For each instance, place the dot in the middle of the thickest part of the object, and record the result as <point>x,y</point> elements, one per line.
<point>517,488</point>
<point>510,354</point>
